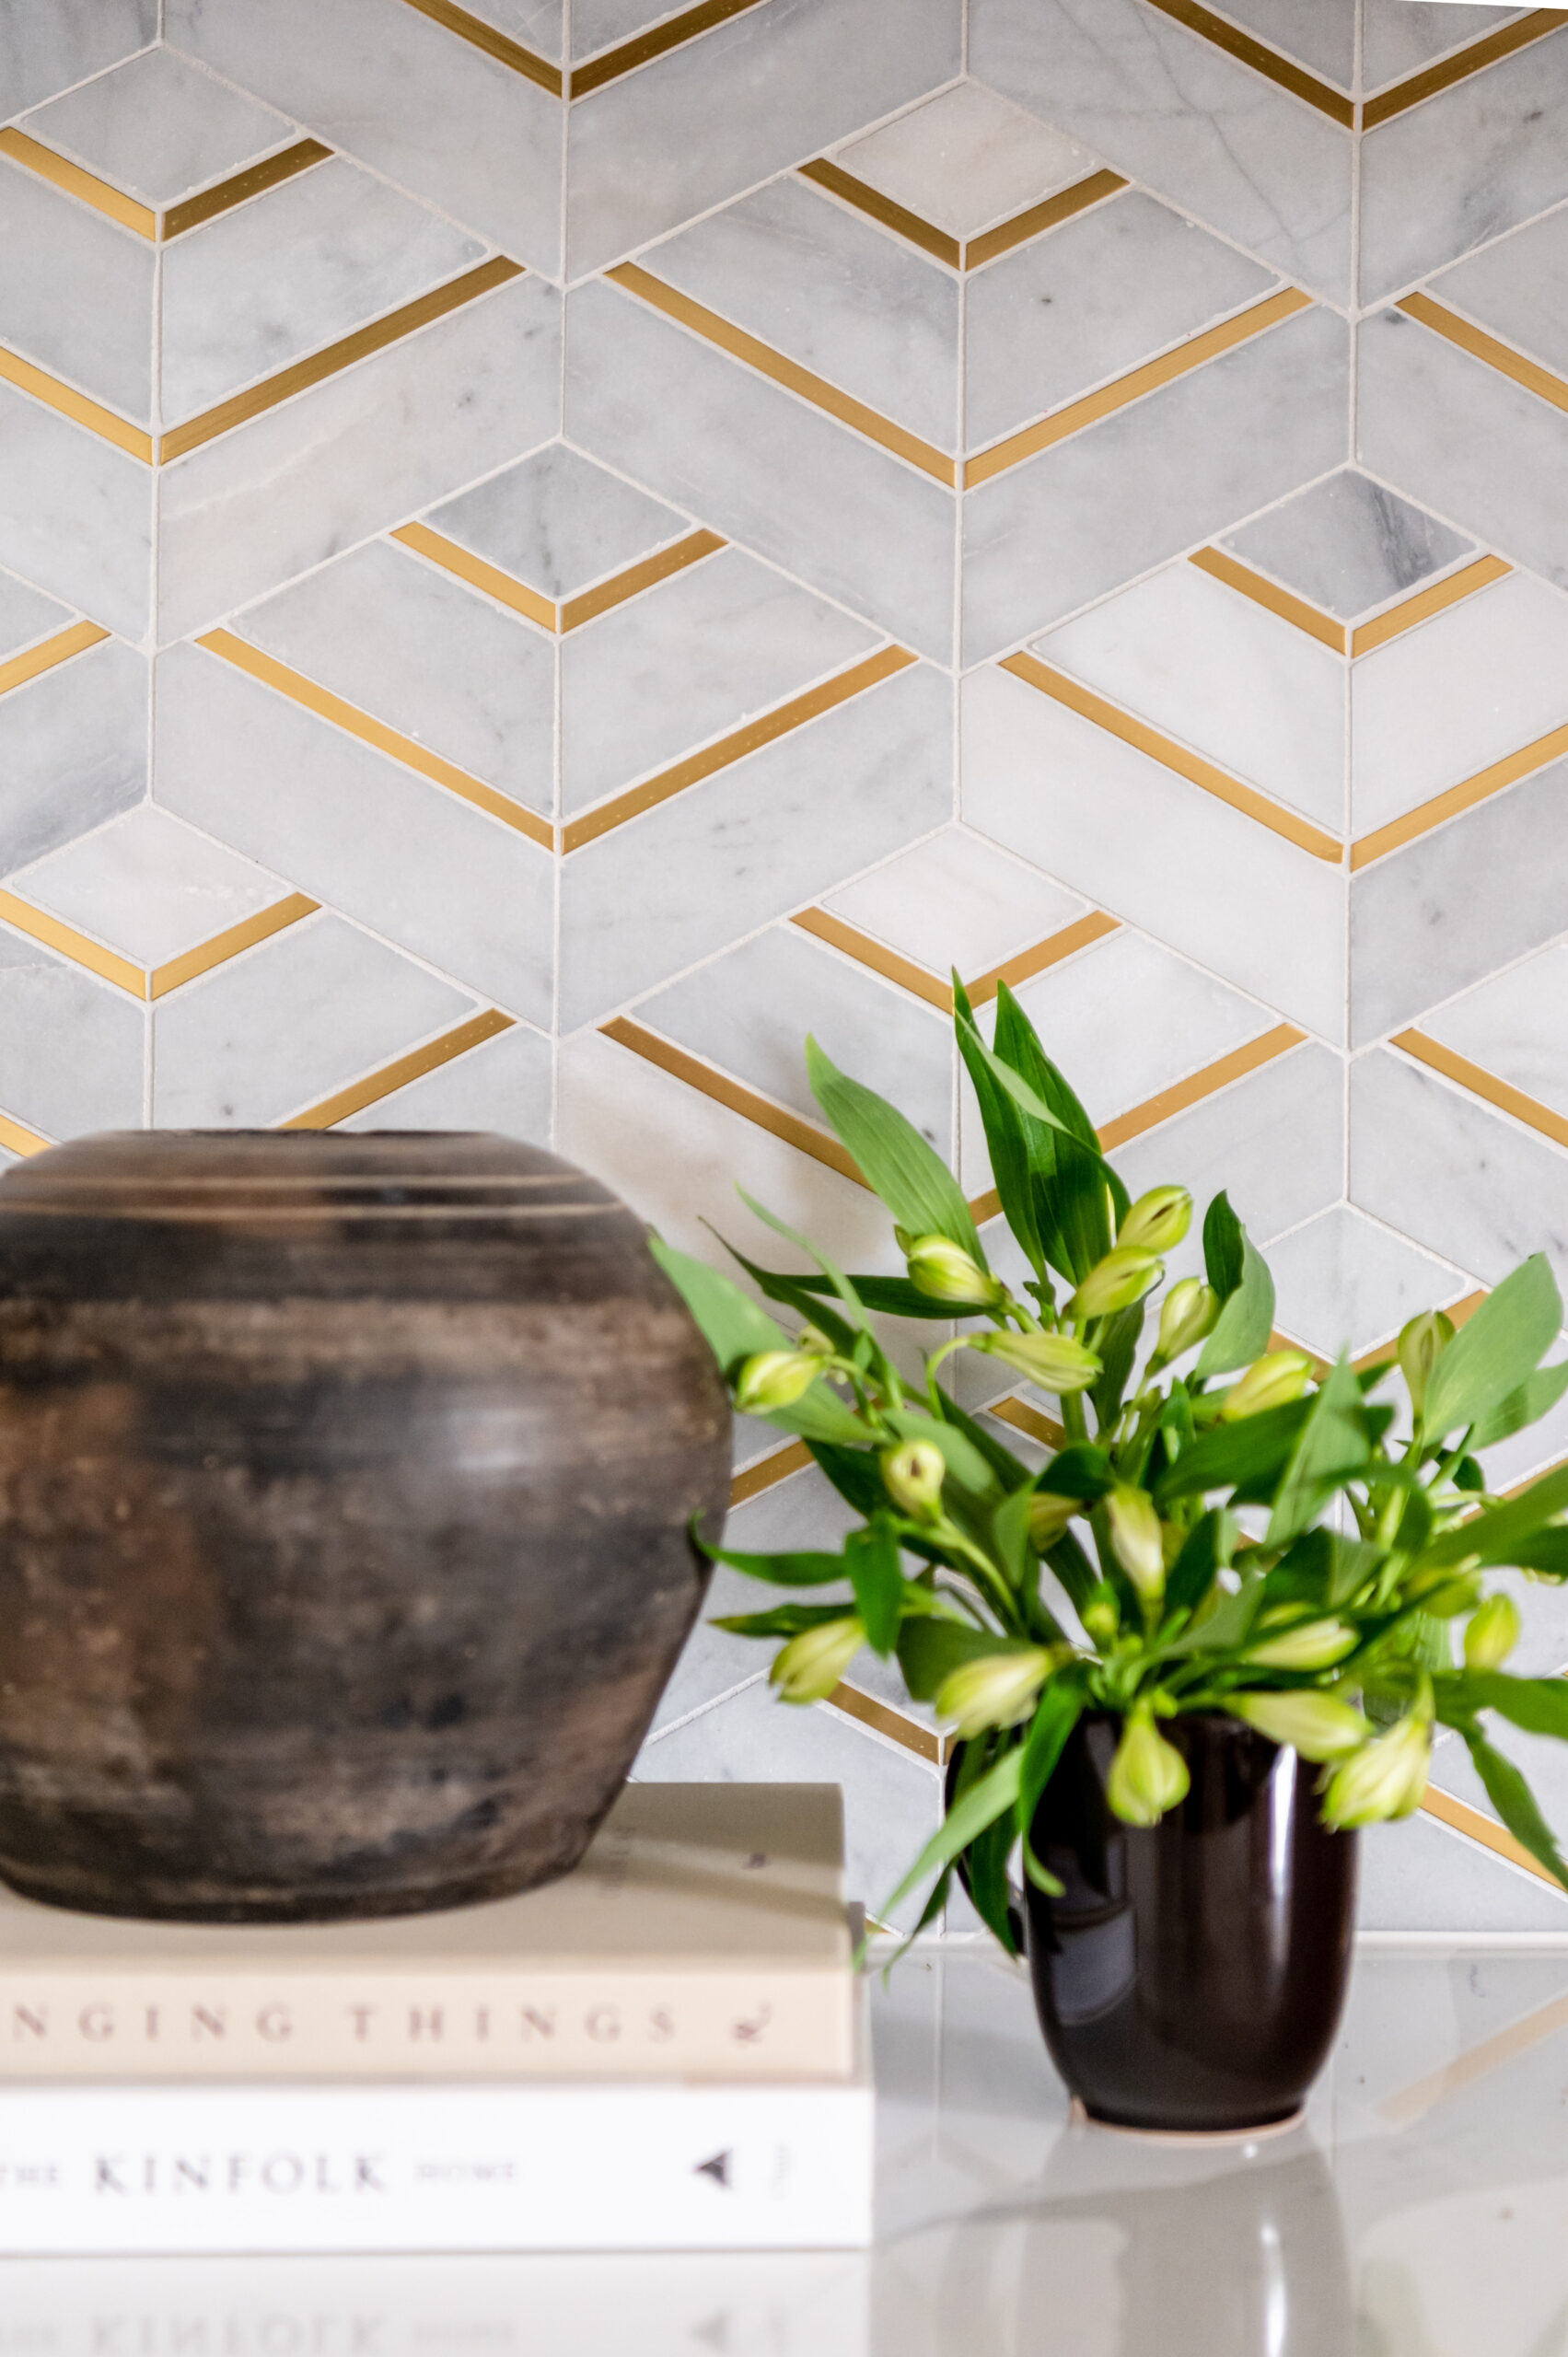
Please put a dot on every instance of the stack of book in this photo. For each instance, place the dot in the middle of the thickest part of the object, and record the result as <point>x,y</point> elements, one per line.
<point>664,2050</point>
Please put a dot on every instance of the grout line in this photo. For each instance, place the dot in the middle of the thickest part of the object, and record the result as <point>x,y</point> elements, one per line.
<point>1428,602</point>
<point>63,938</point>
<point>884,210</point>
<point>1462,1818</point>
<point>1457,798</point>
<point>254,180</point>
<point>44,658</point>
<point>502,586</point>
<point>1082,933</point>
<point>1279,70</point>
<point>894,968</point>
<point>733,1095</point>
<point>1482,346</point>
<point>1478,1082</point>
<point>1489,50</point>
<point>646,574</point>
<point>643,47</point>
<point>18,1139</point>
<point>1268,594</point>
<point>345,1102</point>
<point>34,157</point>
<point>77,406</point>
<point>494,43</point>
<point>229,944</point>
<point>1037,219</point>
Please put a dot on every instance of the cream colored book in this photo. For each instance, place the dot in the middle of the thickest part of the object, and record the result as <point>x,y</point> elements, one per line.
<point>704,1938</point>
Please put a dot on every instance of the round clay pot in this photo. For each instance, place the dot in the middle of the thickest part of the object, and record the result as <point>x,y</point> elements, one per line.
<point>345,1485</point>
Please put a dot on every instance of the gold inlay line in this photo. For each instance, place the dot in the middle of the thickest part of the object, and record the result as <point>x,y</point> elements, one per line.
<point>1191,766</point>
<point>879,208</point>
<point>254,180</point>
<point>399,1074</point>
<point>1428,602</point>
<point>22,1141</point>
<point>1485,1830</point>
<point>1198,349</point>
<point>757,733</point>
<point>82,951</point>
<point>75,406</point>
<point>495,43</point>
<point>922,984</point>
<point>327,706</point>
<point>1037,219</point>
<point>733,1095</point>
<point>1025,1418</point>
<point>1488,51</point>
<point>1482,346</point>
<point>1463,796</point>
<point>787,373</point>
<point>1483,1084</point>
<point>229,944</point>
<point>975,252</point>
<point>769,1473</point>
<point>1022,967</point>
<point>1268,594</point>
<point>643,48</point>
<point>660,567</point>
<point>58,649</point>
<point>472,569</point>
<point>302,374</point>
<point>1198,19</point>
<point>1415,2102</point>
<point>926,1743</point>
<point>34,157</point>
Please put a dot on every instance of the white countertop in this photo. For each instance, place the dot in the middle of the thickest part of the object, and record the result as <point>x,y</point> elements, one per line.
<point>1421,2210</point>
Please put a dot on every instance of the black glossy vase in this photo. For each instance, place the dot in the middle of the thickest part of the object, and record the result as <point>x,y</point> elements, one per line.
<point>1192,1975</point>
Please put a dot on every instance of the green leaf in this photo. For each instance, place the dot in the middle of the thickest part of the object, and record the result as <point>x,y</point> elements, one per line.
<point>1084,1470</point>
<point>1330,1447</point>
<point>872,1558</point>
<point>1073,1568</point>
<point>894,1160</point>
<point>1227,1625</point>
<point>1004,1133</point>
<point>733,1327</point>
<point>1208,1548</point>
<point>992,1797</point>
<point>1010,1535</point>
<point>806,1569</point>
<point>1242,1329</point>
<point>1223,1241</point>
<point>1116,1340</point>
<point>1070,1170</point>
<point>1515,1803</point>
<point>1546,1554</point>
<point>798,1293</point>
<point>1010,1472</point>
<point>1539,1705</point>
<point>1258,1449</point>
<point>887,1296</point>
<point>1492,1355</point>
<point>1492,1537</point>
<point>1539,1392</point>
<point>785,1621</point>
<point>929,1647</point>
<point>1053,1722</point>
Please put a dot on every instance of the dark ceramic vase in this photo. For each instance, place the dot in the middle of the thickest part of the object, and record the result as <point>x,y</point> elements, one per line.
<point>345,1485</point>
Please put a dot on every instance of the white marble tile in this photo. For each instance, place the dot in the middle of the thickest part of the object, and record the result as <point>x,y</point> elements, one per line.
<point>1348,543</point>
<point>1516,1026</point>
<point>1170,110</point>
<point>1418,1876</point>
<point>957,900</point>
<point>1518,288</point>
<point>76,292</point>
<point>247,293</point>
<point>1141,841</point>
<point>76,517</point>
<point>350,828</point>
<point>274,1031</point>
<point>504,1084</point>
<point>385,84</point>
<point>966,159</point>
<point>1444,701</point>
<point>1232,1141</point>
<point>689,660</point>
<point>604,24</point>
<point>72,750</point>
<point>770,88</point>
<point>158,127</point>
<point>1475,160</point>
<point>1107,289</point>
<point>1221,674</point>
<point>536,23</point>
<point>25,616</point>
<point>761,467</point>
<point>1399,36</point>
<point>1342,1282</point>
<point>247,513</point>
<point>148,886</point>
<point>558,522</point>
<point>408,642</point>
<point>45,45</point>
<point>1152,480</point>
<point>44,1001</point>
<point>757,838</point>
<point>1322,35</point>
<point>818,282</point>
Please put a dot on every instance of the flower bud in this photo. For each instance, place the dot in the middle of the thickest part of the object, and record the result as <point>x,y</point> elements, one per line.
<point>912,1475</point>
<point>810,1666</point>
<point>1311,1644</point>
<point>1318,1725</point>
<point>811,1338</point>
<point>1420,1345</point>
<point>1187,1314</point>
<point>1136,1538</point>
<point>1123,1277</point>
<point>1272,1381</point>
<point>1157,1221</point>
<point>1056,1362</point>
<point>942,1271</point>
<point>1147,1775</point>
<point>776,1380</point>
<point>1492,1632</point>
<point>997,1690</point>
<point>1100,1618</point>
<point>1385,1779</point>
<point>1049,1515</point>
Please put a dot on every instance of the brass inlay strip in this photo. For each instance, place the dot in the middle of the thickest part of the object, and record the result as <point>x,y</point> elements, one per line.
<point>1268,594</point>
<point>1049,952</point>
<point>478,574</point>
<point>302,374</point>
<point>788,373</point>
<point>1241,46</point>
<point>777,1120</point>
<point>1463,796</point>
<point>305,691</point>
<point>1482,346</point>
<point>920,983</point>
<point>254,180</point>
<point>1481,1083</point>
<point>1198,1085</point>
<point>638,577</point>
<point>769,1473</point>
<point>1037,219</point>
<point>229,944</point>
<point>73,945</point>
<point>1486,52</point>
<point>19,1140</point>
<point>1415,2102</point>
<point>926,1743</point>
<point>509,591</point>
<point>1191,766</point>
<point>495,43</point>
<point>734,747</point>
<point>1428,602</point>
<point>397,1075</point>
<point>75,406</point>
<point>1025,1418</point>
<point>127,976</point>
<point>59,649</point>
<point>1485,1830</point>
<point>877,207</point>
<point>643,47</point>
<point>1134,385</point>
<point>34,157</point>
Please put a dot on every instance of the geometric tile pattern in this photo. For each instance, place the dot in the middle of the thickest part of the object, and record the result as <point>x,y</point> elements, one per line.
<point>544,553</point>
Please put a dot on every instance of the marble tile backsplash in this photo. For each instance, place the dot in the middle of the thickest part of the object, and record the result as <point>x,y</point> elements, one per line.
<point>546,551</point>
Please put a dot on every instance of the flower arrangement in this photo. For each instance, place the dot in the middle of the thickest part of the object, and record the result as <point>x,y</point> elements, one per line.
<point>1223,1529</point>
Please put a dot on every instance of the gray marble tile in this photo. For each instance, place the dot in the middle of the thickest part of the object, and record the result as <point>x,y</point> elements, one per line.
<point>250,511</point>
<point>558,522</point>
<point>76,292</point>
<point>1516,1026</point>
<point>1170,110</point>
<point>43,1001</point>
<point>761,467</point>
<point>603,24</point>
<point>759,838</point>
<point>148,886</point>
<point>158,127</point>
<point>25,616</point>
<point>538,24</point>
<point>770,88</point>
<point>1418,1876</point>
<point>1476,160</point>
<point>966,159</point>
<point>385,84</point>
<point>1322,35</point>
<point>1152,480</point>
<point>296,269</point>
<point>1518,288</point>
<point>504,1084</point>
<point>1103,292</point>
<point>413,646</point>
<point>76,517</point>
<point>957,900</point>
<point>46,45</point>
<point>72,750</point>
<point>687,661</point>
<point>1401,36</point>
<point>819,284</point>
<point>1348,544</point>
<point>1342,1282</point>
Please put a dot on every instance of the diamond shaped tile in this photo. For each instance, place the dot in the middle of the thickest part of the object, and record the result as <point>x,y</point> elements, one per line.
<point>558,521</point>
<point>1515,1027</point>
<point>158,127</point>
<point>966,159</point>
<point>957,900</point>
<point>1518,288</point>
<point>1349,544</point>
<point>148,886</point>
<point>1345,1282</point>
<point>27,615</point>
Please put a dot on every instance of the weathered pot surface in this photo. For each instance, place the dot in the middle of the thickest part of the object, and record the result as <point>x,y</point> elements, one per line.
<point>345,1484</point>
